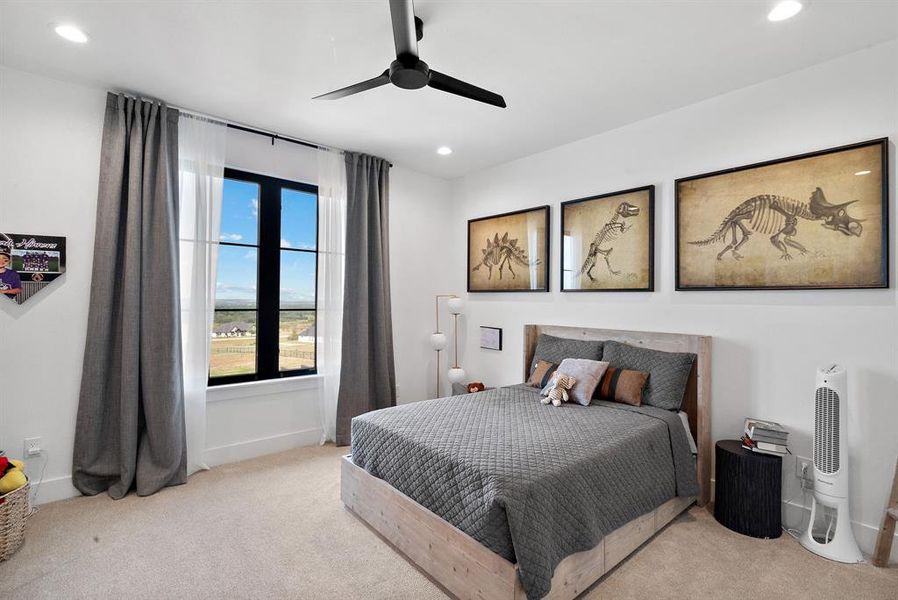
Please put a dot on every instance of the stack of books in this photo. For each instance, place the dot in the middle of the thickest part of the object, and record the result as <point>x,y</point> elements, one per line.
<point>765,437</point>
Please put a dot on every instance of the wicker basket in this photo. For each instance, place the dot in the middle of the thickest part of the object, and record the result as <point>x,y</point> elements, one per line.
<point>13,512</point>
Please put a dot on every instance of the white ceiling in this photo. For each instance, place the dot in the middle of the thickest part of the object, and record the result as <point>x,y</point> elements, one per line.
<point>568,70</point>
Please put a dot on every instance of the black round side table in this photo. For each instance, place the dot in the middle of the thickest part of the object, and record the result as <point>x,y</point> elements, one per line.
<point>747,490</point>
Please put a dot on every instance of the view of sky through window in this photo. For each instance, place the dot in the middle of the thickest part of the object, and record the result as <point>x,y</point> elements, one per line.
<point>297,279</point>
<point>240,212</point>
<point>298,219</point>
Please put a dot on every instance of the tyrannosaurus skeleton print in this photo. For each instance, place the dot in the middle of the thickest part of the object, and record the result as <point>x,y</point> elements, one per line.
<point>609,232</point>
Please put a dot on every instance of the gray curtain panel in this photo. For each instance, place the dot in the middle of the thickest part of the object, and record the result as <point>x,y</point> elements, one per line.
<point>367,373</point>
<point>130,425</point>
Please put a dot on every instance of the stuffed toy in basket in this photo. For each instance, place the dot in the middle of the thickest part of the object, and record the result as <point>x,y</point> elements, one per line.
<point>13,505</point>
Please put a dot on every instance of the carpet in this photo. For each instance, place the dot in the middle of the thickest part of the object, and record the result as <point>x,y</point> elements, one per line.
<point>274,527</point>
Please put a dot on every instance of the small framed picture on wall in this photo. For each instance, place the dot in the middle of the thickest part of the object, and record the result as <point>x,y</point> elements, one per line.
<point>491,338</point>
<point>29,263</point>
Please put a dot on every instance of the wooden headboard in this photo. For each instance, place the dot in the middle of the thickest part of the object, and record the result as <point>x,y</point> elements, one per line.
<point>696,400</point>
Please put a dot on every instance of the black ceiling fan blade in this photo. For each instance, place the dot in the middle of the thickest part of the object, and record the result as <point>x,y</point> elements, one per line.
<point>370,84</point>
<point>402,14</point>
<point>445,83</point>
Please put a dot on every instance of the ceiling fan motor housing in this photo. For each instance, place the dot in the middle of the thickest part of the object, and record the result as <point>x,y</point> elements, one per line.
<point>409,73</point>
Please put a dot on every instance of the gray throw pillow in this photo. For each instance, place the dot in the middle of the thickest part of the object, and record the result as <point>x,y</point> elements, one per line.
<point>668,371</point>
<point>555,349</point>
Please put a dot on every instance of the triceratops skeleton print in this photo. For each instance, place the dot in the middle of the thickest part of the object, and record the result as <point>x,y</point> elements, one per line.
<point>779,216</point>
<point>503,252</point>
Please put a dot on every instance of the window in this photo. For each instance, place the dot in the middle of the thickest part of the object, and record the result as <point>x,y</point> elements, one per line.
<point>265,293</point>
<point>567,269</point>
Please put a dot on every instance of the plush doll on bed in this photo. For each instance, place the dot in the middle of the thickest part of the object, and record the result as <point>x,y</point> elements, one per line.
<point>557,390</point>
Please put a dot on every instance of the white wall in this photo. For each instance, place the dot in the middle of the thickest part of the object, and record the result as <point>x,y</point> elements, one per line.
<point>50,134</point>
<point>766,345</point>
<point>420,213</point>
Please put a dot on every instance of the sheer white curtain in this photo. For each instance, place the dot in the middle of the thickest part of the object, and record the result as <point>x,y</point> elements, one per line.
<point>331,255</point>
<point>201,148</point>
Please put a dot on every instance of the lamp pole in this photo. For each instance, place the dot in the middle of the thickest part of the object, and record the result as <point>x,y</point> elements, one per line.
<point>438,338</point>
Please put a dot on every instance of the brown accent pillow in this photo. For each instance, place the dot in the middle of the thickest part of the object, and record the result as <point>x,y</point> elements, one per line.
<point>622,385</point>
<point>541,373</point>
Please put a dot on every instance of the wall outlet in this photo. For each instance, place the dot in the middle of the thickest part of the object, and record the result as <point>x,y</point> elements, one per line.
<point>32,447</point>
<point>804,468</point>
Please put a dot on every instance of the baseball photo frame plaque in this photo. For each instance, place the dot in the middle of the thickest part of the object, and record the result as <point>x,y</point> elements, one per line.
<point>29,263</point>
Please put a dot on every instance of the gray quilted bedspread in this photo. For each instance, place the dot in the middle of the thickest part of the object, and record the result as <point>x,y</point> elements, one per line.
<point>533,483</point>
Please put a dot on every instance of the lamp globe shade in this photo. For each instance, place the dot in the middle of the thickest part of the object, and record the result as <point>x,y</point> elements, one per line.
<point>456,374</point>
<point>438,340</point>
<point>455,305</point>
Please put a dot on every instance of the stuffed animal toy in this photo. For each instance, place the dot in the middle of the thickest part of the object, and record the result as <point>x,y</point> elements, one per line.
<point>557,390</point>
<point>12,475</point>
<point>475,386</point>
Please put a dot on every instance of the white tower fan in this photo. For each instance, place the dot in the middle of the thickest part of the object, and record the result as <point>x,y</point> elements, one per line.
<point>834,540</point>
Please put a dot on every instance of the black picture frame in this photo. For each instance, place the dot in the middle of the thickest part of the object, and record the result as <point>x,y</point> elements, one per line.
<point>650,287</point>
<point>882,143</point>
<point>546,209</point>
<point>497,348</point>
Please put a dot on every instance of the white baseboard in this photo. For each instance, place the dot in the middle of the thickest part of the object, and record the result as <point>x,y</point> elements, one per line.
<point>53,489</point>
<point>796,515</point>
<point>61,488</point>
<point>259,447</point>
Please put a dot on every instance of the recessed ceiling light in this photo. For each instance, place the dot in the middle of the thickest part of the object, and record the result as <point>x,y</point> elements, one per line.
<point>444,150</point>
<point>784,10</point>
<point>71,33</point>
<point>862,173</point>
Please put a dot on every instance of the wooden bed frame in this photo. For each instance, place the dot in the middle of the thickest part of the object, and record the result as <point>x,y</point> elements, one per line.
<point>468,570</point>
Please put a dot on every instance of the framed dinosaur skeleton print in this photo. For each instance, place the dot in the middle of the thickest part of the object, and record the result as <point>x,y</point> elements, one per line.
<point>509,252</point>
<point>607,242</point>
<point>813,221</point>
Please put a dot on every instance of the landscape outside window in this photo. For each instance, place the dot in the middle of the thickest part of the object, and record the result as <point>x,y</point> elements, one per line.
<point>252,291</point>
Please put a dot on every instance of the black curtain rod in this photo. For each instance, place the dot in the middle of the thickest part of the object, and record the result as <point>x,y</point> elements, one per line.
<point>270,135</point>
<point>274,136</point>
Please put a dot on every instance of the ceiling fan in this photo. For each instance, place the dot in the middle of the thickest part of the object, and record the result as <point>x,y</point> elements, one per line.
<point>410,72</point>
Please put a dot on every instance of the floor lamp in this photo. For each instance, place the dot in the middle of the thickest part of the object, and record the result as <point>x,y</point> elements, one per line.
<point>438,338</point>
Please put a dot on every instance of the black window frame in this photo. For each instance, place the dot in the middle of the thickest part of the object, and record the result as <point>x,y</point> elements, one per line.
<point>268,278</point>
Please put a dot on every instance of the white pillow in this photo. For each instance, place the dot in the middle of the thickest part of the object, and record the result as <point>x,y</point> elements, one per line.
<point>588,374</point>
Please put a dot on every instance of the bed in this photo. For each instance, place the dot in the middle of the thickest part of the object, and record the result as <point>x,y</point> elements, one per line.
<point>495,496</point>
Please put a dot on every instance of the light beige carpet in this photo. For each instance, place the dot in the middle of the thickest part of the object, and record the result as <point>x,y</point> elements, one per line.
<point>274,527</point>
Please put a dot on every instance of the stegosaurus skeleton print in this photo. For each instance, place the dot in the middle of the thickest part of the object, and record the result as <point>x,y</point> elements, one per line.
<point>779,216</point>
<point>501,253</point>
